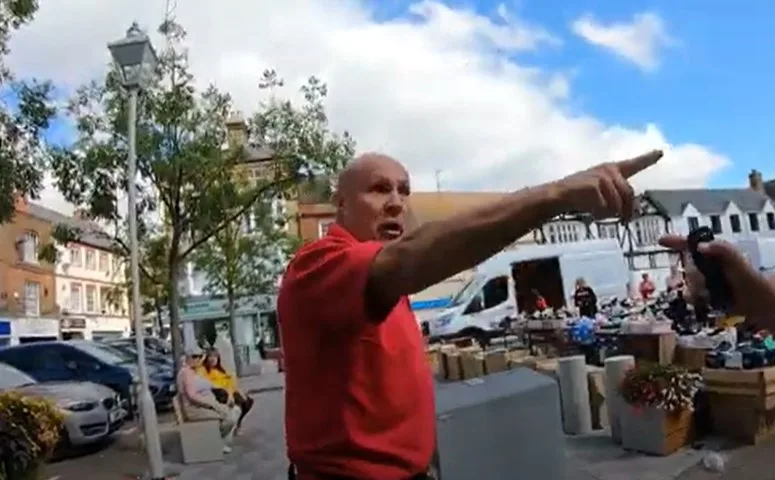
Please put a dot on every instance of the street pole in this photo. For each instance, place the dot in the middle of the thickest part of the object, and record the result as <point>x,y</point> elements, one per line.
<point>147,408</point>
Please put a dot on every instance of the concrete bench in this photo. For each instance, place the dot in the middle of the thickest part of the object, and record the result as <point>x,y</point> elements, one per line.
<point>200,440</point>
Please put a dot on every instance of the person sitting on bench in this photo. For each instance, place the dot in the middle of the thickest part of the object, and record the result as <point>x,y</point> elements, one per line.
<point>198,402</point>
<point>225,385</point>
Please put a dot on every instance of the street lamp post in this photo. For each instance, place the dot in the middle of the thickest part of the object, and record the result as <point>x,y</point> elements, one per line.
<point>136,60</point>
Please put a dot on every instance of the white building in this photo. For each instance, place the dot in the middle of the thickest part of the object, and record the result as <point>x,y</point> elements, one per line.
<point>734,214</point>
<point>91,287</point>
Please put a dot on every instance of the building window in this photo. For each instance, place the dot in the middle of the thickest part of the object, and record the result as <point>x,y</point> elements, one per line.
<point>28,248</point>
<point>323,226</point>
<point>771,220</point>
<point>116,265</point>
<point>91,298</point>
<point>734,221</point>
<point>753,220</point>
<point>104,263</point>
<point>75,297</point>
<point>652,260</point>
<point>105,300</point>
<point>75,257</point>
<point>715,223</point>
<point>32,299</point>
<point>647,231</point>
<point>694,223</point>
<point>91,261</point>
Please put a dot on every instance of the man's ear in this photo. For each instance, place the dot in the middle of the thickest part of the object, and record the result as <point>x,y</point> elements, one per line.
<point>336,199</point>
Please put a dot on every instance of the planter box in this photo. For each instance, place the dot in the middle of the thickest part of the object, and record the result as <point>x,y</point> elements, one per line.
<point>742,403</point>
<point>655,431</point>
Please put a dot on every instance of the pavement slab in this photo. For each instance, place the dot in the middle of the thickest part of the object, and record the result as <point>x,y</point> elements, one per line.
<point>259,453</point>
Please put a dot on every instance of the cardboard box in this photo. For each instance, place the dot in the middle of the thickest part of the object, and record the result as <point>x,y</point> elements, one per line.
<point>433,358</point>
<point>453,369</point>
<point>473,366</point>
<point>495,361</point>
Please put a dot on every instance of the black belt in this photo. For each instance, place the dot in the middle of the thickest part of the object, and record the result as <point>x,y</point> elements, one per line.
<point>292,475</point>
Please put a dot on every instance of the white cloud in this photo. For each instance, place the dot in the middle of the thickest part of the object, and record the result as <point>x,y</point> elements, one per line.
<point>439,90</point>
<point>639,41</point>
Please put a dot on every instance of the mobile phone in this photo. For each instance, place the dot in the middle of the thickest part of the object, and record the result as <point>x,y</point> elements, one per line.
<point>715,281</point>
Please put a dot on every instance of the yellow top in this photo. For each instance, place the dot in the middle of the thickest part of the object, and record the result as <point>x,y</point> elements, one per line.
<point>219,379</point>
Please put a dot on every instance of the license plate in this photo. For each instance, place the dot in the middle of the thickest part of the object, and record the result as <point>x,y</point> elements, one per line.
<point>115,415</point>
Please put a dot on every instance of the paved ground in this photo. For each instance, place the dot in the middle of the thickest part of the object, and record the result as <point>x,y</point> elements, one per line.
<point>259,453</point>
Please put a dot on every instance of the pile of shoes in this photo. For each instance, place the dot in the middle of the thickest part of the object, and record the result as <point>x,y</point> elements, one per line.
<point>756,352</point>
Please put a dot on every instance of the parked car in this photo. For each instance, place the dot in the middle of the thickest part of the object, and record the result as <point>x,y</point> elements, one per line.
<point>82,360</point>
<point>155,344</point>
<point>91,411</point>
<point>128,347</point>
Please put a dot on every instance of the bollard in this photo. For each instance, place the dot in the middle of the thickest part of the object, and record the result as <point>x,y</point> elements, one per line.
<point>574,395</point>
<point>615,368</point>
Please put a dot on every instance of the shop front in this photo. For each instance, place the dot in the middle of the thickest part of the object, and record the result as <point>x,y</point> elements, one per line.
<point>250,313</point>
<point>108,328</point>
<point>73,328</point>
<point>40,329</point>
<point>5,332</point>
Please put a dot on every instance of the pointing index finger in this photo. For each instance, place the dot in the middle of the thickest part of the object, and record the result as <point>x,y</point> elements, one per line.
<point>630,167</point>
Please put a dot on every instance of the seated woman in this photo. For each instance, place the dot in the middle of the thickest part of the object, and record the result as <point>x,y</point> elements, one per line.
<point>221,379</point>
<point>197,400</point>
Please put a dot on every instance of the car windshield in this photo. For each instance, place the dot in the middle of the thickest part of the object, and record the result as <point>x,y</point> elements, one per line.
<point>126,348</point>
<point>105,353</point>
<point>13,378</point>
<point>465,292</point>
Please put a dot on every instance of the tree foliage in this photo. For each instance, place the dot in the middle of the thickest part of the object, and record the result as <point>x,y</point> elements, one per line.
<point>25,112</point>
<point>185,173</point>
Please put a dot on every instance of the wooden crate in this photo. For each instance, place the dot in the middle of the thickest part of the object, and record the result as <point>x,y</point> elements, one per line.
<point>742,403</point>
<point>691,358</point>
<point>649,347</point>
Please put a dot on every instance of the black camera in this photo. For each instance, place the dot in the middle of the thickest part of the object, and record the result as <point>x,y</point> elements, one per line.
<point>715,281</point>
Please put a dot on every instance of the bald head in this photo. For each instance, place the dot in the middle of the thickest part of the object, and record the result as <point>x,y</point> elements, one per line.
<point>359,170</point>
<point>370,195</point>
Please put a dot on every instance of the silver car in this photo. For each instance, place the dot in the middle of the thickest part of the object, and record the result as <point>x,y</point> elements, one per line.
<point>91,411</point>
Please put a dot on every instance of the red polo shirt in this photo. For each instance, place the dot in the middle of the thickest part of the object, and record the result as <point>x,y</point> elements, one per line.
<point>358,393</point>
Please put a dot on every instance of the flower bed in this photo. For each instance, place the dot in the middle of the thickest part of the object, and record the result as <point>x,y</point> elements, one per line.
<point>30,429</point>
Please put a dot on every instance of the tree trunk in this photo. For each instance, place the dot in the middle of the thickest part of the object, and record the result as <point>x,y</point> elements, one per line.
<point>236,346</point>
<point>174,312</point>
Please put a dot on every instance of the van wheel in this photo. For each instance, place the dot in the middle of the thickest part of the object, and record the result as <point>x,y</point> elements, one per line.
<point>481,337</point>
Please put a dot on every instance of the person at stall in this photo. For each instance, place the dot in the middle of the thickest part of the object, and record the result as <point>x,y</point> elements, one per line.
<point>584,299</point>
<point>541,303</point>
<point>646,287</point>
<point>753,294</point>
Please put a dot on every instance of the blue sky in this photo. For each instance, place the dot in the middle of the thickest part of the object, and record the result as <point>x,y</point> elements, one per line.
<point>711,86</point>
<point>708,89</point>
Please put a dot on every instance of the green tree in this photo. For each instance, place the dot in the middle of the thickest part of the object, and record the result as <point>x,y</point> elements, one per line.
<point>25,112</point>
<point>244,259</point>
<point>186,175</point>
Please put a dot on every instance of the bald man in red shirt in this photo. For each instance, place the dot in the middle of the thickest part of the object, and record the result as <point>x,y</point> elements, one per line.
<point>359,398</point>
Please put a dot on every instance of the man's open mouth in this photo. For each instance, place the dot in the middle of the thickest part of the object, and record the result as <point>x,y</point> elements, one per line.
<point>390,230</point>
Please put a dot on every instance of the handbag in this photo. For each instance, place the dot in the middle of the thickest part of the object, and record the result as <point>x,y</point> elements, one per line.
<point>221,395</point>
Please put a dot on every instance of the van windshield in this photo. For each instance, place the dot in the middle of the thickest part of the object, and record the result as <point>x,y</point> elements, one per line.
<point>465,293</point>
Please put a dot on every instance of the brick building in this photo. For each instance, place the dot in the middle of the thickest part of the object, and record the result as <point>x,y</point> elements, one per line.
<point>28,309</point>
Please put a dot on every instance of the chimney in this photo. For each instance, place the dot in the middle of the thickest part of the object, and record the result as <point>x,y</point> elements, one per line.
<point>237,130</point>
<point>755,181</point>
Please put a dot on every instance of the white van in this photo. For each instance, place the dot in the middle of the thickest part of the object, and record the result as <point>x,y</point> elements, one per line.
<point>507,283</point>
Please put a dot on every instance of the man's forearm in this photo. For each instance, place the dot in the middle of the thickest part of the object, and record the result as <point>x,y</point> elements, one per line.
<point>438,250</point>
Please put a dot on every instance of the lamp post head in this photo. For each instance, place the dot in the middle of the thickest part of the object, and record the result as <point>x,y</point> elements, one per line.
<point>135,57</point>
